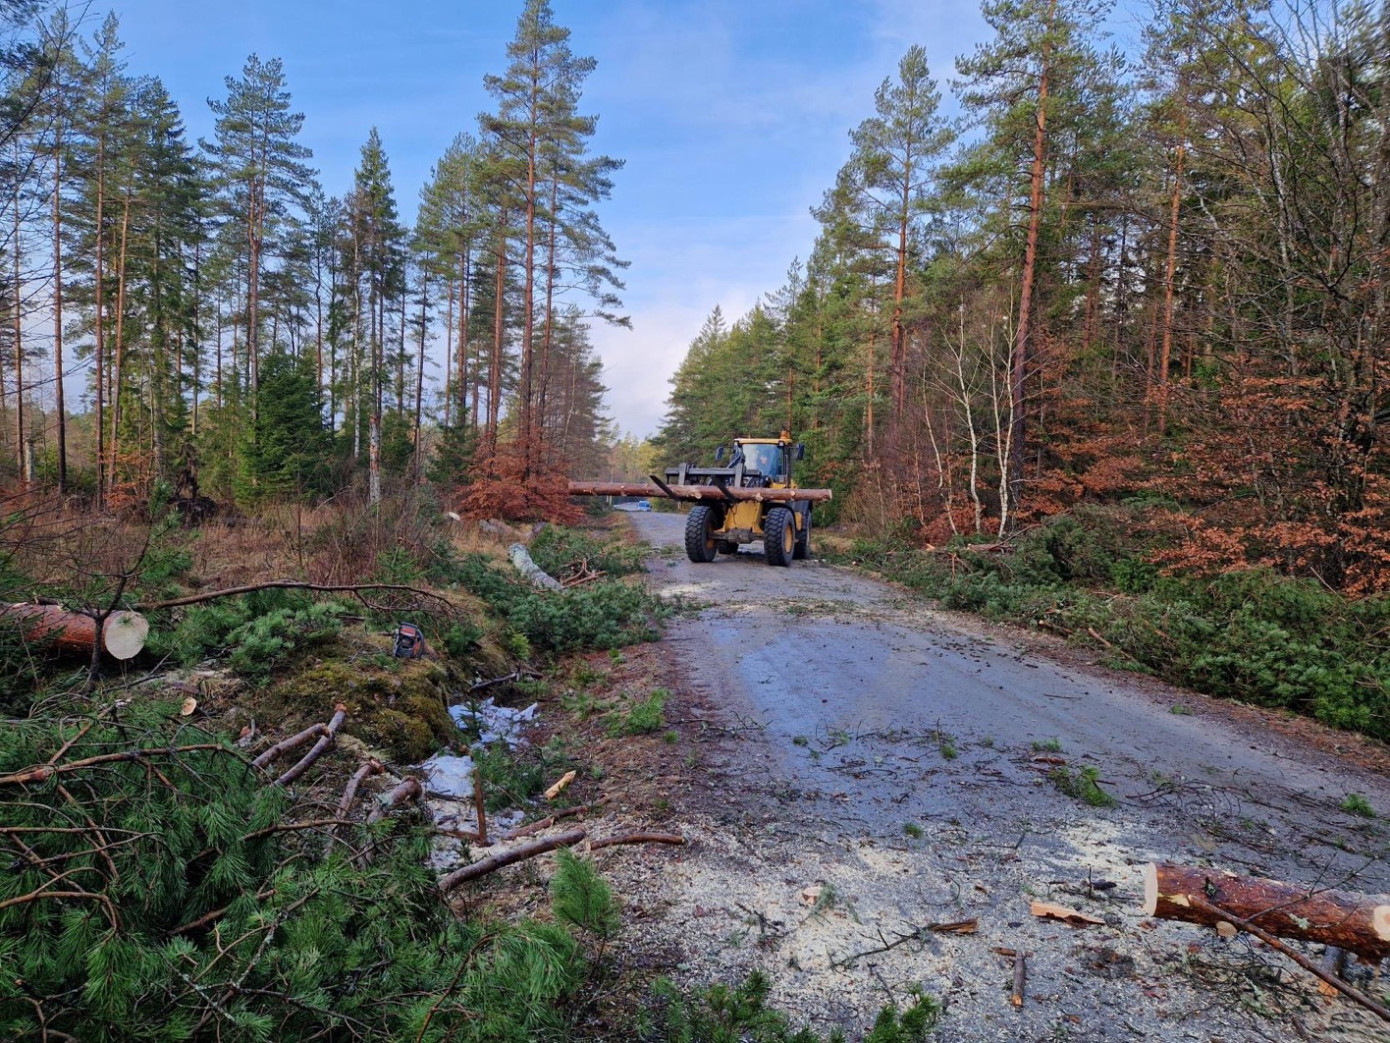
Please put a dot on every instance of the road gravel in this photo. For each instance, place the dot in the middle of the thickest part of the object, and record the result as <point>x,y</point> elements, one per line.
<point>866,766</point>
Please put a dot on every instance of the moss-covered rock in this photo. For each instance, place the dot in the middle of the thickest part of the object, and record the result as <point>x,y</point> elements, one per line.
<point>400,708</point>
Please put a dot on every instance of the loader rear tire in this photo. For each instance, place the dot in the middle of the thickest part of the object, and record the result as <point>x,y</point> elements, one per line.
<point>779,536</point>
<point>803,539</point>
<point>700,544</point>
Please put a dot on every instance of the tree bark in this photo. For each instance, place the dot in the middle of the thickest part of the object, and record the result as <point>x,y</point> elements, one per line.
<point>1019,363</point>
<point>1356,923</point>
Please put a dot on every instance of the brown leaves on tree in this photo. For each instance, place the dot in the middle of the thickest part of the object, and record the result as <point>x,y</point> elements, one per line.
<point>513,484</point>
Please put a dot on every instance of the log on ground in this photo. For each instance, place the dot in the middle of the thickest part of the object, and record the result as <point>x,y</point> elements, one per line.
<point>526,565</point>
<point>123,633</point>
<point>1356,923</point>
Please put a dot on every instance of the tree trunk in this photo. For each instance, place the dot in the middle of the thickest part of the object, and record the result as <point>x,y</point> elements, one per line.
<point>1166,353</point>
<point>494,391</point>
<point>120,345</point>
<point>58,313</point>
<point>99,352</point>
<point>1353,922</point>
<point>23,458</point>
<point>72,633</point>
<point>1019,363</point>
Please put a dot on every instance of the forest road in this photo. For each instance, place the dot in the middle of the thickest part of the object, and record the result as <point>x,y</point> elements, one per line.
<point>897,765</point>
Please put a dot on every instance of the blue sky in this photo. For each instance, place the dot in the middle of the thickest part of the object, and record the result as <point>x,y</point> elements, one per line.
<point>732,116</point>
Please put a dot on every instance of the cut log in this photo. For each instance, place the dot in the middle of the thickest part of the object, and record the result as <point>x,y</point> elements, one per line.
<point>1356,923</point>
<point>505,858</point>
<point>538,577</point>
<point>698,492</point>
<point>123,633</point>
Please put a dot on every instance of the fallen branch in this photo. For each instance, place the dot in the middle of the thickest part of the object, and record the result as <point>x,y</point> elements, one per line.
<point>44,772</point>
<point>550,820</point>
<point>330,733</point>
<point>410,789</point>
<point>1020,959</point>
<point>505,858</point>
<point>285,745</point>
<point>371,767</point>
<point>917,934</point>
<point>285,584</point>
<point>637,838</point>
<point>1353,994</point>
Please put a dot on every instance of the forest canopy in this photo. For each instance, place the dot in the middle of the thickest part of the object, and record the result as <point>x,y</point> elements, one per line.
<point>1153,278</point>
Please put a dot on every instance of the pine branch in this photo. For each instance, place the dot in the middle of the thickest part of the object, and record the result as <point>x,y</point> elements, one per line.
<point>44,772</point>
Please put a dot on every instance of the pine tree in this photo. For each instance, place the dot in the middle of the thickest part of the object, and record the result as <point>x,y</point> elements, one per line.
<point>537,140</point>
<point>261,177</point>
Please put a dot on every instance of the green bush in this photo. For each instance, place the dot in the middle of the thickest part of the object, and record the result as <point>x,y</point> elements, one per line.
<point>555,548</point>
<point>603,615</point>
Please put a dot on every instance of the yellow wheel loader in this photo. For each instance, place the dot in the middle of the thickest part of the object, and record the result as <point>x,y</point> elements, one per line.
<point>722,526</point>
<point>752,496</point>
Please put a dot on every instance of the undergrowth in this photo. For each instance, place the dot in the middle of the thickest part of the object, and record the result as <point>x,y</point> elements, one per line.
<point>721,1014</point>
<point>1254,635</point>
<point>605,614</point>
<point>188,905</point>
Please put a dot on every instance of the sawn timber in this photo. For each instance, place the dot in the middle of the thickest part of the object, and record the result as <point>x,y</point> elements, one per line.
<point>698,492</point>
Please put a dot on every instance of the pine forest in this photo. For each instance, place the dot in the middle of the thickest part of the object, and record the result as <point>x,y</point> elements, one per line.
<point>330,711</point>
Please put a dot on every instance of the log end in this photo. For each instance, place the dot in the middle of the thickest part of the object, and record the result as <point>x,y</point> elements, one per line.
<point>124,634</point>
<point>1380,921</point>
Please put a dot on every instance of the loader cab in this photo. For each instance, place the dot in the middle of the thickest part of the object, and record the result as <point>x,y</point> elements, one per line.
<point>772,459</point>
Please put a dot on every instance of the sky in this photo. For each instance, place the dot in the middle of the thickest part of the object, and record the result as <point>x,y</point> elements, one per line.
<point>732,118</point>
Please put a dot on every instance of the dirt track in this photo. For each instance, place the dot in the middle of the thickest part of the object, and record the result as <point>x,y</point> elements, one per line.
<point>869,766</point>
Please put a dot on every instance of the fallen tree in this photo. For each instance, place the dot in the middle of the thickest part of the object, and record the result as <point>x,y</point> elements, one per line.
<point>123,634</point>
<point>1353,922</point>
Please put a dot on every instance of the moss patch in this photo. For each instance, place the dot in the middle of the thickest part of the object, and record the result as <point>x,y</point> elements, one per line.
<point>400,709</point>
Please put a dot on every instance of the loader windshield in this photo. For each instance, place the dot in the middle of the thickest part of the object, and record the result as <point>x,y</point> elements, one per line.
<point>765,459</point>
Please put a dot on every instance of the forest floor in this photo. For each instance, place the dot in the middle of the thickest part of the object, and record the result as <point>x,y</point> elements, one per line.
<point>854,766</point>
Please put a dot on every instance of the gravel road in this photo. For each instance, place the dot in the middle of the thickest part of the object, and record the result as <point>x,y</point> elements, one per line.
<point>867,766</point>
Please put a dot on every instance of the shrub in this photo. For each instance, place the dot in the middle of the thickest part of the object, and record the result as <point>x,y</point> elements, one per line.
<point>208,917</point>
<point>720,1014</point>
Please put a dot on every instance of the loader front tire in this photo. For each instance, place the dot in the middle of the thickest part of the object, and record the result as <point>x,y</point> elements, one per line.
<point>700,544</point>
<point>779,536</point>
<point>803,539</point>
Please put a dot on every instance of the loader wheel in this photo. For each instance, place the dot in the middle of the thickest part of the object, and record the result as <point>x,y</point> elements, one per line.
<point>803,539</point>
<point>699,535</point>
<point>779,536</point>
<point>727,547</point>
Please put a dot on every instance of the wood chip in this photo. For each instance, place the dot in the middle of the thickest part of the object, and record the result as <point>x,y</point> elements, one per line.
<point>564,780</point>
<point>1060,912</point>
<point>189,705</point>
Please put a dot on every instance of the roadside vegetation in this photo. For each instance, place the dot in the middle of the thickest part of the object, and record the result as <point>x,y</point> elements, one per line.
<point>164,887</point>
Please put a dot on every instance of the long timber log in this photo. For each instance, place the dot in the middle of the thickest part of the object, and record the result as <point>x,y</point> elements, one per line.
<point>123,634</point>
<point>1356,923</point>
<point>698,492</point>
